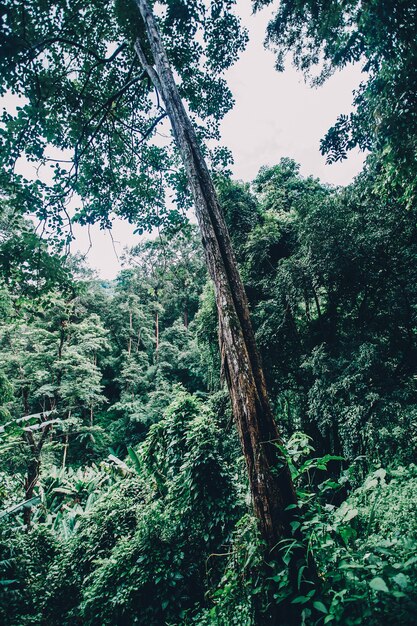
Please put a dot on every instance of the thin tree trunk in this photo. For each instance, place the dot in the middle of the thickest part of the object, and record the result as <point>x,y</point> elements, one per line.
<point>66,445</point>
<point>269,476</point>
<point>64,457</point>
<point>33,470</point>
<point>129,346</point>
<point>156,323</point>
<point>317,303</point>
<point>31,479</point>
<point>61,338</point>
<point>156,332</point>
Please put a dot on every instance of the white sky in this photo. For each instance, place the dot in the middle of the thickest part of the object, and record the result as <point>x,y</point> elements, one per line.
<point>275,115</point>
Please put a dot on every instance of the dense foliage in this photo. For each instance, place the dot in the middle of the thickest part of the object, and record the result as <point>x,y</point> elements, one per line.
<point>141,513</point>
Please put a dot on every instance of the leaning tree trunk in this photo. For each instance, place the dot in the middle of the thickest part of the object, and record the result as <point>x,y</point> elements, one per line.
<point>269,476</point>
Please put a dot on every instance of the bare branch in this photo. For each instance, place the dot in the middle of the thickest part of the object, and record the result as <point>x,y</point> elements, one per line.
<point>41,45</point>
<point>152,126</point>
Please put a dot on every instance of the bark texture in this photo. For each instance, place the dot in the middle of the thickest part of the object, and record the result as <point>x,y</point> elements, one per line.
<point>33,470</point>
<point>269,476</point>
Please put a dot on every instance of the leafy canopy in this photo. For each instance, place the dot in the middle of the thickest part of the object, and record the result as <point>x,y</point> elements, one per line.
<point>322,37</point>
<point>86,113</point>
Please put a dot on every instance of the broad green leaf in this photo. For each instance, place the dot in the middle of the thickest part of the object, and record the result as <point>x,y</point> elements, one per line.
<point>320,607</point>
<point>379,584</point>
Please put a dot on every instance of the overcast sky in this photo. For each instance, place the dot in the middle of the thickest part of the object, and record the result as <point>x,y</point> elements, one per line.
<point>275,115</point>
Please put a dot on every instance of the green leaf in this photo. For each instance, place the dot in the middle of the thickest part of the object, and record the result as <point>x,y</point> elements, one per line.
<point>295,525</point>
<point>6,582</point>
<point>346,533</point>
<point>300,600</point>
<point>320,607</point>
<point>402,580</point>
<point>350,514</point>
<point>322,462</point>
<point>135,458</point>
<point>300,574</point>
<point>379,584</point>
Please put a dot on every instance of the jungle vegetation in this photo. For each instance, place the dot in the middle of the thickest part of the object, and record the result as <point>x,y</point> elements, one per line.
<point>226,433</point>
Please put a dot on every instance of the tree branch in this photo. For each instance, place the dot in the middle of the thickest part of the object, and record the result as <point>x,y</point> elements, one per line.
<point>146,134</point>
<point>79,46</point>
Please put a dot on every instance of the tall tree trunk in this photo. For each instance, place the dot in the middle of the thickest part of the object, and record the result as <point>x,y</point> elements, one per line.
<point>156,333</point>
<point>129,346</point>
<point>156,323</point>
<point>64,456</point>
<point>32,476</point>
<point>186,315</point>
<point>33,470</point>
<point>61,338</point>
<point>269,476</point>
